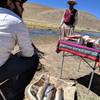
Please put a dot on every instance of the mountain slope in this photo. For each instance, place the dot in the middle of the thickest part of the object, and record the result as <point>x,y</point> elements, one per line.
<point>41,14</point>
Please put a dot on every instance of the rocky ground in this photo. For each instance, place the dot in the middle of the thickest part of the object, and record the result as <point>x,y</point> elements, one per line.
<point>52,65</point>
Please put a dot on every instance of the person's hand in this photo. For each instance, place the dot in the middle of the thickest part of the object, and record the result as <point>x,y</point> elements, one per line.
<point>37,51</point>
<point>59,27</point>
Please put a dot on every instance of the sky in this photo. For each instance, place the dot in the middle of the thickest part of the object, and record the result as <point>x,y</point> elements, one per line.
<point>92,6</point>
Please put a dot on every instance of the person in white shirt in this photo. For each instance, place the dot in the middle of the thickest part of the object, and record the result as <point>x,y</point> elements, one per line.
<point>13,31</point>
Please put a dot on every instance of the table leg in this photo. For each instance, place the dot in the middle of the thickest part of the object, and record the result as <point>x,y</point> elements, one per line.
<point>62,63</point>
<point>92,75</point>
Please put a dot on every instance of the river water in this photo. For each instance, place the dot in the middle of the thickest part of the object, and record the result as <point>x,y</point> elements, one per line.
<point>51,32</point>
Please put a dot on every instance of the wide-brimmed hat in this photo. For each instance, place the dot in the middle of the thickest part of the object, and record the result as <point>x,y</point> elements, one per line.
<point>72,2</point>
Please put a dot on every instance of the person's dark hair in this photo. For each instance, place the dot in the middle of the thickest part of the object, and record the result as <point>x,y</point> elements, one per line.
<point>23,1</point>
<point>3,3</point>
<point>15,10</point>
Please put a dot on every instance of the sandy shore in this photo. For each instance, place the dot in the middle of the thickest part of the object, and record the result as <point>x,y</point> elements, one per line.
<point>52,64</point>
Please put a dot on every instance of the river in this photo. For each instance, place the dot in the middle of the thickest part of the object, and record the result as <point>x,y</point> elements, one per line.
<point>52,32</point>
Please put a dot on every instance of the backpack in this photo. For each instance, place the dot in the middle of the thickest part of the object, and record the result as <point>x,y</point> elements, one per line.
<point>69,16</point>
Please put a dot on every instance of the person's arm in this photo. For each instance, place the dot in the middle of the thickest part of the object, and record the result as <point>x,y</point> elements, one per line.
<point>23,40</point>
<point>62,20</point>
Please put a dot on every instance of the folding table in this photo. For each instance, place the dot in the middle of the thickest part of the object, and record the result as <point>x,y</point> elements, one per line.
<point>79,50</point>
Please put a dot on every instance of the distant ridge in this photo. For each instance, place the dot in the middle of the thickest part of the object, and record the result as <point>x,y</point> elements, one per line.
<point>35,13</point>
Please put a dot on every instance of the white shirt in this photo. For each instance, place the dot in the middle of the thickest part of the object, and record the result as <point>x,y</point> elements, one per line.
<point>13,31</point>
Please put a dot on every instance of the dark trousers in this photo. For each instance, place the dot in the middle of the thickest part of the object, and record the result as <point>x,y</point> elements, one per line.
<point>23,68</point>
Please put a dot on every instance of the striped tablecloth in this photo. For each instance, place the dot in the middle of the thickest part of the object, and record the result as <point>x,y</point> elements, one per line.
<point>79,50</point>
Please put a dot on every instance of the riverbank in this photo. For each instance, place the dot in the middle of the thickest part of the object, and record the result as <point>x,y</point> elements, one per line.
<point>57,33</point>
<point>52,26</point>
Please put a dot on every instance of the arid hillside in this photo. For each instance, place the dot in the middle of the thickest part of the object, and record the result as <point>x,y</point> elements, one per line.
<point>44,16</point>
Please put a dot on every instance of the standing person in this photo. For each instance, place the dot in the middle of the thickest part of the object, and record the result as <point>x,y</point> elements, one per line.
<point>69,20</point>
<point>22,65</point>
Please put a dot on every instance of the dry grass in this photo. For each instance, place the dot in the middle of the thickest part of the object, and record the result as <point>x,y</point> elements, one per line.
<point>46,25</point>
<point>40,25</point>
